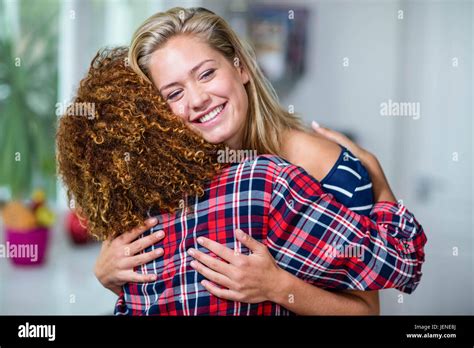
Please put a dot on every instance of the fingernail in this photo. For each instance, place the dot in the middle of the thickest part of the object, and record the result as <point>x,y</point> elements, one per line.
<point>193,264</point>
<point>191,252</point>
<point>200,240</point>
<point>153,277</point>
<point>160,234</point>
<point>153,221</point>
<point>159,251</point>
<point>239,234</point>
<point>315,124</point>
<point>203,282</point>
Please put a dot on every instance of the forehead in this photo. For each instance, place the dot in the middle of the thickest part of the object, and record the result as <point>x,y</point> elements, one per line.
<point>173,61</point>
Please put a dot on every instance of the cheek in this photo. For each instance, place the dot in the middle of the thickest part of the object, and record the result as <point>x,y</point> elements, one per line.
<point>230,88</point>
<point>178,109</point>
<point>223,85</point>
<point>242,102</point>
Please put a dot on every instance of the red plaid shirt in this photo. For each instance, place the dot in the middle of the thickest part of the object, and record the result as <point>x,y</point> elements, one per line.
<point>306,230</point>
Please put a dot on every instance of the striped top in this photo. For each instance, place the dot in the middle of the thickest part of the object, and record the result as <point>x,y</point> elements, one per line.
<point>349,182</point>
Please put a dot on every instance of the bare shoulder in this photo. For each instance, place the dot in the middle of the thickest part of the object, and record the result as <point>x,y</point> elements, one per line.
<point>316,154</point>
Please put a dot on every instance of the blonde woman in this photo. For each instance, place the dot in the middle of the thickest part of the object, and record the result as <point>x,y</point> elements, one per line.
<point>210,78</point>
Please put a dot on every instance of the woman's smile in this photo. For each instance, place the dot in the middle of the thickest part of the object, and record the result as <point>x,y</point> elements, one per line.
<point>211,117</point>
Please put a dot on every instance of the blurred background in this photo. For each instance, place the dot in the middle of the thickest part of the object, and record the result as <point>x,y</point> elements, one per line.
<point>396,76</point>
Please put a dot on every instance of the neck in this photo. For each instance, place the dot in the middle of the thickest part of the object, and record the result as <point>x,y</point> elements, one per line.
<point>285,144</point>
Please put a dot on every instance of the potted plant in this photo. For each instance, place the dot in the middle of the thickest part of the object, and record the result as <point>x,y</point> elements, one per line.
<point>28,94</point>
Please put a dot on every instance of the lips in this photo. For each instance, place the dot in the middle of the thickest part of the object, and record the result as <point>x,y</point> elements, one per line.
<point>211,115</point>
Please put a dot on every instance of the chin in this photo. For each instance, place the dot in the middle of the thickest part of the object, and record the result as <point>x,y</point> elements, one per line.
<point>215,139</point>
<point>212,140</point>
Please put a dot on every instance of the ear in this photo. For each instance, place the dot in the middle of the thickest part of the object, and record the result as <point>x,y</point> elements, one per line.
<point>244,75</point>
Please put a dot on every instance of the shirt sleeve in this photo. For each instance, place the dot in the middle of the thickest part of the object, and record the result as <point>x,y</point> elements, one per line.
<point>314,237</point>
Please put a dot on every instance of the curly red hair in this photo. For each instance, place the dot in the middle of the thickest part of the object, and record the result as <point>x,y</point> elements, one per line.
<point>133,157</point>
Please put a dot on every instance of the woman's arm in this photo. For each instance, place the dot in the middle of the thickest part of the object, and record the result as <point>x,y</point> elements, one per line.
<point>118,257</point>
<point>320,240</point>
<point>305,299</point>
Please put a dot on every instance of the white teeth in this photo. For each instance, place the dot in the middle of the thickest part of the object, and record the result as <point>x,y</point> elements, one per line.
<point>211,114</point>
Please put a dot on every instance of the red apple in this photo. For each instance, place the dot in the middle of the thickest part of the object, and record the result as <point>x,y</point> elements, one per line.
<point>76,230</point>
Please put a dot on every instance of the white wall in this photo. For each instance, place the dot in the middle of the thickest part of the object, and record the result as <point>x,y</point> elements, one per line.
<point>436,154</point>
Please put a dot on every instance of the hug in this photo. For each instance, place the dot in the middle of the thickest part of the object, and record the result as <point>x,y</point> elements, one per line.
<point>185,233</point>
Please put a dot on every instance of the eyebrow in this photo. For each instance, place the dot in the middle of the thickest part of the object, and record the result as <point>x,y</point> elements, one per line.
<point>192,71</point>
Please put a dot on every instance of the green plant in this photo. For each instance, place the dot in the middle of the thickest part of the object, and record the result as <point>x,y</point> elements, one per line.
<point>28,94</point>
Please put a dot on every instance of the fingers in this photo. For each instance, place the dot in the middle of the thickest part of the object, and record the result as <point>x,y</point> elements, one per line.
<point>210,274</point>
<point>211,262</point>
<point>338,138</point>
<point>137,231</point>
<point>142,259</point>
<point>315,125</point>
<point>218,249</point>
<point>248,241</point>
<point>221,293</point>
<point>145,242</point>
<point>134,277</point>
<point>334,136</point>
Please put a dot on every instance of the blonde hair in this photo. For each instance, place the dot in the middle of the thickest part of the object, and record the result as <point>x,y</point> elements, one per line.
<point>266,120</point>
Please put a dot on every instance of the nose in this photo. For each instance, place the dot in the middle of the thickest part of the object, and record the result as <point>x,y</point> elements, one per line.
<point>199,99</point>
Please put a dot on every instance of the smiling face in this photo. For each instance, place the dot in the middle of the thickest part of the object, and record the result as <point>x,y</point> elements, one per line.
<point>203,87</point>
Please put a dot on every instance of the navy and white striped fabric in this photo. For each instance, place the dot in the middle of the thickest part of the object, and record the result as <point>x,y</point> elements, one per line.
<point>350,183</point>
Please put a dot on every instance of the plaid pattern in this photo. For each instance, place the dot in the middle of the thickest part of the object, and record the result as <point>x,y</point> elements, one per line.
<point>284,207</point>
